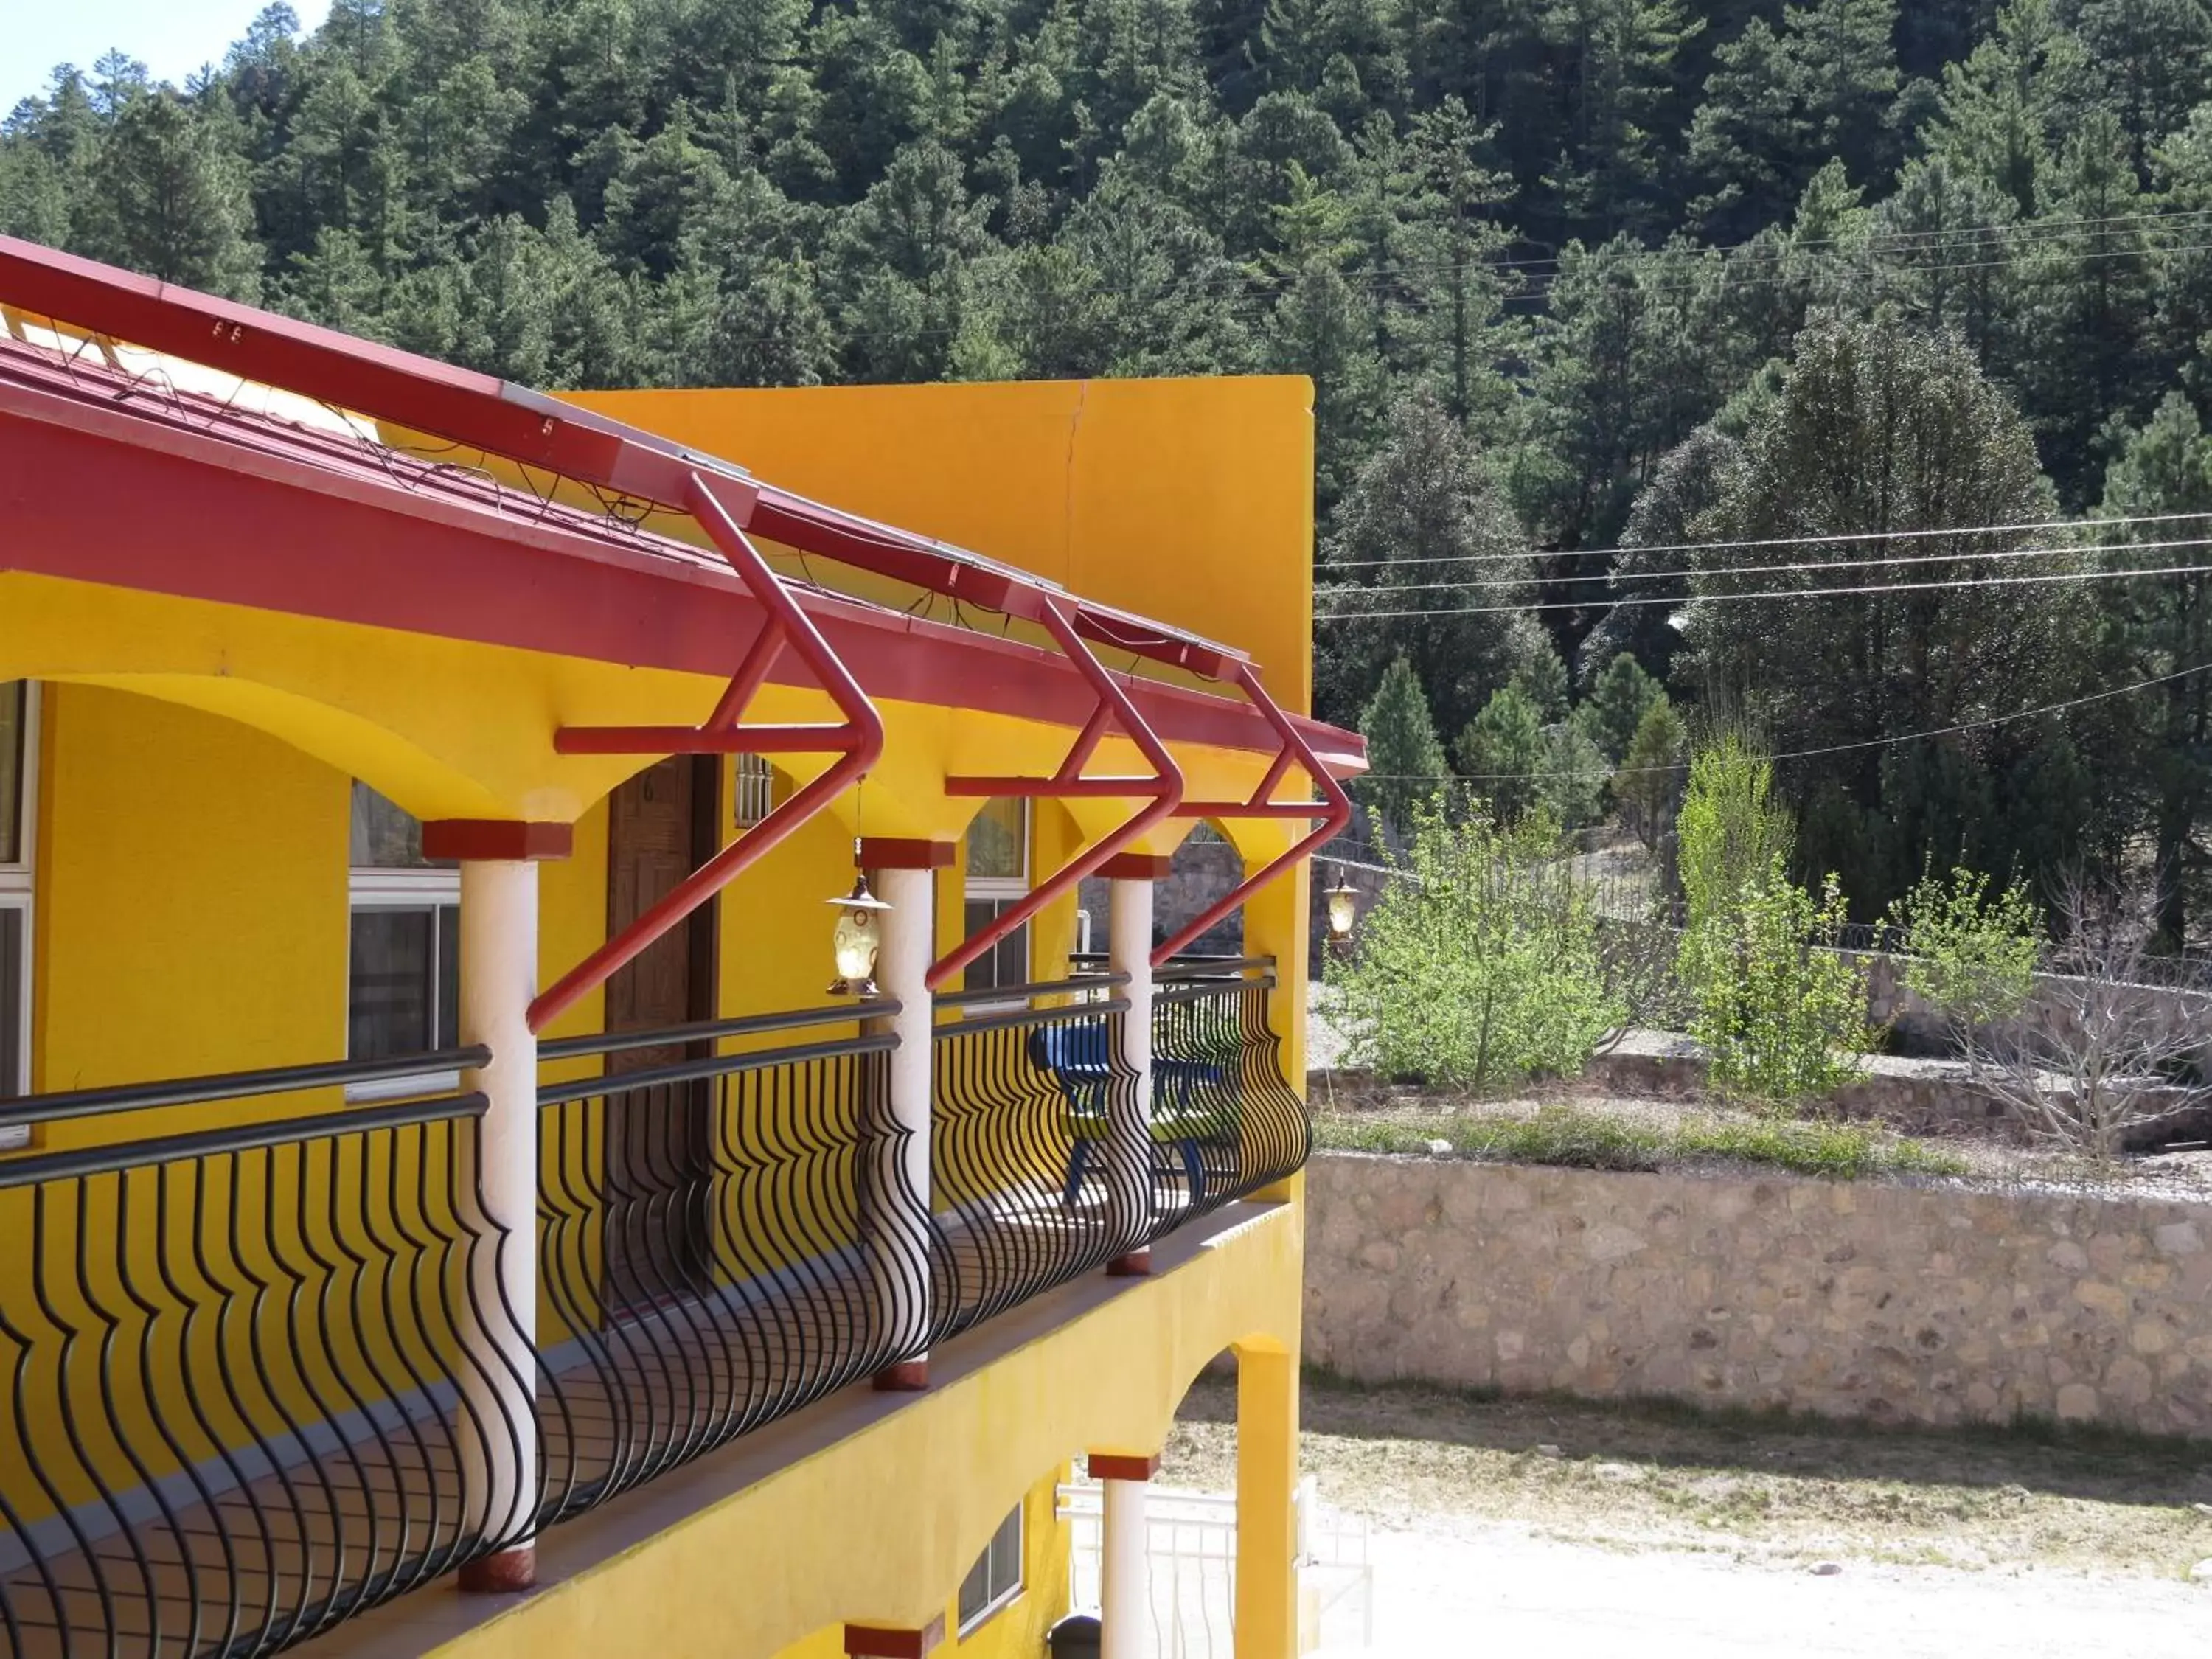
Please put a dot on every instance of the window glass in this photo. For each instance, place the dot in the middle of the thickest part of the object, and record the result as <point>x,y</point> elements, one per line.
<point>14,697</point>
<point>394,1001</point>
<point>11,1003</point>
<point>997,842</point>
<point>404,987</point>
<point>1007,963</point>
<point>755,789</point>
<point>997,1575</point>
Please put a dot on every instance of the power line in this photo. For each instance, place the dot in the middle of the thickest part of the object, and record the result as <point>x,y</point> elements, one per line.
<point>1747,570</point>
<point>1807,540</point>
<point>1825,748</point>
<point>1781,593</point>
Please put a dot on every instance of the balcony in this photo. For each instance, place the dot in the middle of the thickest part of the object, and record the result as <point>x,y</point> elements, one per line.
<point>272,1367</point>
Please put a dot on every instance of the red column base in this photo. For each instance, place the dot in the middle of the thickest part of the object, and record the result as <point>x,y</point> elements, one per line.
<point>503,1574</point>
<point>907,1376</point>
<point>1138,1264</point>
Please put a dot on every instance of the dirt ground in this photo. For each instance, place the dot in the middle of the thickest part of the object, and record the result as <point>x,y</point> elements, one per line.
<point>1642,1478</point>
<point>1579,1530</point>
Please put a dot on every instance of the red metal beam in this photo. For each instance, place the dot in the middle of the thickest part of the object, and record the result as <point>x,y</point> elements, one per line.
<point>527,426</point>
<point>1335,808</point>
<point>858,745</point>
<point>1165,788</point>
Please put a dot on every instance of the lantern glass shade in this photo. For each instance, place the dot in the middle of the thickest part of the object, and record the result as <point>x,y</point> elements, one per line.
<point>855,940</point>
<point>1343,908</point>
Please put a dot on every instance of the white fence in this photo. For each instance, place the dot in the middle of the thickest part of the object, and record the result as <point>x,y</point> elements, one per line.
<point>1193,1551</point>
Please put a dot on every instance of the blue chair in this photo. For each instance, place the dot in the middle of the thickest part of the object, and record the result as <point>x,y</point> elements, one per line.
<point>1077,1055</point>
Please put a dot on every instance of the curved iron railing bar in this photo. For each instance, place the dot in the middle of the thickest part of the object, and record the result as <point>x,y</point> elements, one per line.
<point>739,1247</point>
<point>192,1488</point>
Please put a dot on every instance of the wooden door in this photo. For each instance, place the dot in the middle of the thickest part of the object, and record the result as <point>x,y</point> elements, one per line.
<point>660,827</point>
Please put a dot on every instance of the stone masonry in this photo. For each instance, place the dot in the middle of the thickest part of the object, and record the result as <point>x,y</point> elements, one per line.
<point>1923,1302</point>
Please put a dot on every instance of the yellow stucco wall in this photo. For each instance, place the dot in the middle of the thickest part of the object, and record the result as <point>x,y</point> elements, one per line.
<point>190,897</point>
<point>1191,501</point>
<point>1016,1631</point>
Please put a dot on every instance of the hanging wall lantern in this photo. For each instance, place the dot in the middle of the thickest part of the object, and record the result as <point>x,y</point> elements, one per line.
<point>1343,908</point>
<point>857,937</point>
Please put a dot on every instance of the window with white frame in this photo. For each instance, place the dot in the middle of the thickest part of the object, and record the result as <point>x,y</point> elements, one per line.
<point>997,844</point>
<point>403,985</point>
<point>996,1577</point>
<point>19,776</point>
<point>755,791</point>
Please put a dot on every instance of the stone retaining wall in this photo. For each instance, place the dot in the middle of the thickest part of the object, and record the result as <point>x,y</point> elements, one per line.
<point>1929,1303</point>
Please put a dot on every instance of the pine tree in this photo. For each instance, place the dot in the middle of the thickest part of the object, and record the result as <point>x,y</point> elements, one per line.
<point>1503,754</point>
<point>1422,512</point>
<point>1650,781</point>
<point>174,202</point>
<point>2162,625</point>
<point>1407,766</point>
<point>1620,697</point>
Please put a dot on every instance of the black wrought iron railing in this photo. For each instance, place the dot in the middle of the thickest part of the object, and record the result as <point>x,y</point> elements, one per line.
<point>1029,1083</point>
<point>1046,1159</point>
<point>249,1366</point>
<point>723,1238</point>
<point>1218,1088</point>
<point>267,1374</point>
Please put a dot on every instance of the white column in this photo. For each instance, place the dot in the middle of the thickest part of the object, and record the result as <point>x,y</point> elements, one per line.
<point>1125,1591</point>
<point>498,1442</point>
<point>1129,1133</point>
<point>902,1258</point>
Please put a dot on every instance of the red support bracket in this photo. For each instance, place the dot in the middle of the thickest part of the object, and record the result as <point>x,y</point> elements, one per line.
<point>857,742</point>
<point>1163,787</point>
<point>1334,809</point>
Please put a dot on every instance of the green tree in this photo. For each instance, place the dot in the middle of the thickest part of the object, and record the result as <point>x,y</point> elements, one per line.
<point>1650,781</point>
<point>1782,101</point>
<point>174,203</point>
<point>1423,514</point>
<point>1483,970</point>
<point>1882,434</point>
<point>1503,754</point>
<point>1406,763</point>
<point>2160,627</point>
<point>1970,951</point>
<point>1781,1016</point>
<point>1619,698</point>
<point>1730,829</point>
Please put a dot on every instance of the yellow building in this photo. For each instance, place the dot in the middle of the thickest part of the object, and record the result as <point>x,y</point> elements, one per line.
<point>441,1207</point>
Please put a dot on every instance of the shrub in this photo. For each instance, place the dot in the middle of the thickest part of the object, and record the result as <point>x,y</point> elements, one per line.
<point>1729,832</point>
<point>1969,952</point>
<point>1782,1017</point>
<point>1482,969</point>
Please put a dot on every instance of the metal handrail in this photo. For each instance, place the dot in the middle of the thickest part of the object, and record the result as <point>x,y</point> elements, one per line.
<point>235,1085</point>
<point>1007,1018</point>
<point>1026,993</point>
<point>691,1071</point>
<point>1184,990</point>
<point>710,1030</point>
<point>246,1138</point>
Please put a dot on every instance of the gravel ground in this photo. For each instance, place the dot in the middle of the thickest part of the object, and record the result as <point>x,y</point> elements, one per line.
<point>1566,1529</point>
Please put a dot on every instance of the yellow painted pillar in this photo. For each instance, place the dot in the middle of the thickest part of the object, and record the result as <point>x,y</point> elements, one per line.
<point>1266,1477</point>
